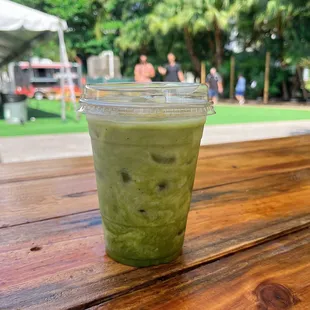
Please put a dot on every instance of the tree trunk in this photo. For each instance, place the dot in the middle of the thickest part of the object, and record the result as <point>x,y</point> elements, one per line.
<point>97,30</point>
<point>97,27</point>
<point>211,43</point>
<point>232,77</point>
<point>203,73</point>
<point>218,44</point>
<point>285,92</point>
<point>190,48</point>
<point>295,84</point>
<point>266,79</point>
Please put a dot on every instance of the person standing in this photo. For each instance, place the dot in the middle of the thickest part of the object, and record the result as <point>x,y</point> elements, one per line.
<point>240,89</point>
<point>214,82</point>
<point>144,70</point>
<point>172,71</point>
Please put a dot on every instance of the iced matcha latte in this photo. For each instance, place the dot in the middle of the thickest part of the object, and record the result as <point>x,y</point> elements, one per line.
<point>145,167</point>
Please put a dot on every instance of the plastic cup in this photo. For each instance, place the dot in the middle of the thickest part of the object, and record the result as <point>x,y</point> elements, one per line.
<point>145,140</point>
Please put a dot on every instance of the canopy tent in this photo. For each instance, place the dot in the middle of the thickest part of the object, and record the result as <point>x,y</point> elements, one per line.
<point>20,26</point>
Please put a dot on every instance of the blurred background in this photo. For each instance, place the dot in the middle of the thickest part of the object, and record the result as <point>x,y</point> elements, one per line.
<point>268,42</point>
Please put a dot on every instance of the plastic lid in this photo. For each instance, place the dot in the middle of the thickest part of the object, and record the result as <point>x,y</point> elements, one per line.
<point>146,99</point>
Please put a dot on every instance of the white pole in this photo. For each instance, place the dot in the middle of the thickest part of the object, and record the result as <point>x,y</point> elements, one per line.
<point>62,76</point>
<point>66,67</point>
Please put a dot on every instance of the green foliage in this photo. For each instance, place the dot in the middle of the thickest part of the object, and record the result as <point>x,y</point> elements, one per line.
<point>196,15</point>
<point>134,35</point>
<point>195,30</point>
<point>50,49</point>
<point>280,25</point>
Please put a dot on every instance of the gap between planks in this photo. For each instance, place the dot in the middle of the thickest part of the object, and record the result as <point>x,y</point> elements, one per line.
<point>229,149</point>
<point>194,190</point>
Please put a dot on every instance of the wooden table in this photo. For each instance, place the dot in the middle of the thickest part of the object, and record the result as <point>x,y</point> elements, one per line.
<point>247,241</point>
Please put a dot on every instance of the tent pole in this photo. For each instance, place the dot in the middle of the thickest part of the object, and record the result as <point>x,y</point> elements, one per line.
<point>67,68</point>
<point>62,77</point>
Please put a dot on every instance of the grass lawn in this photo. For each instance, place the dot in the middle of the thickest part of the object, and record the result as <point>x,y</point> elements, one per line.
<point>47,118</point>
<point>235,114</point>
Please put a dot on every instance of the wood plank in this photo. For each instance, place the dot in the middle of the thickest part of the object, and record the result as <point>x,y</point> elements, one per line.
<point>256,145</point>
<point>33,170</point>
<point>275,275</point>
<point>25,202</point>
<point>223,169</point>
<point>61,263</point>
<point>15,172</point>
<point>48,198</point>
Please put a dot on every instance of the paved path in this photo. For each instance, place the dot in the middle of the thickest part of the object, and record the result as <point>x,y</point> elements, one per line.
<point>254,131</point>
<point>271,104</point>
<point>27,148</point>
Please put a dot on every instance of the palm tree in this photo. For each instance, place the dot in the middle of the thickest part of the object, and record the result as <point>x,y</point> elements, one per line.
<point>275,18</point>
<point>193,16</point>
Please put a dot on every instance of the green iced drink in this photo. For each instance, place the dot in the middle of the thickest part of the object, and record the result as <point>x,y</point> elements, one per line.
<point>145,169</point>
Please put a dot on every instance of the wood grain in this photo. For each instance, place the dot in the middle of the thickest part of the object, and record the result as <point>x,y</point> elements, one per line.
<point>16,172</point>
<point>25,202</point>
<point>61,263</point>
<point>272,276</point>
<point>39,199</point>
<point>256,145</point>
<point>224,169</point>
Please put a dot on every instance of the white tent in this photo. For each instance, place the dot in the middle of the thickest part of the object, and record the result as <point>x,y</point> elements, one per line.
<point>20,26</point>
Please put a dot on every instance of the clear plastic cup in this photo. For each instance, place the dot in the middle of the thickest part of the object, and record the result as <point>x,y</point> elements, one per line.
<point>145,140</point>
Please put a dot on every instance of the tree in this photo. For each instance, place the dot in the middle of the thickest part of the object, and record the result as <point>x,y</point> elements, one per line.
<point>194,30</point>
<point>277,23</point>
<point>127,18</point>
<point>277,16</point>
<point>194,17</point>
<point>82,16</point>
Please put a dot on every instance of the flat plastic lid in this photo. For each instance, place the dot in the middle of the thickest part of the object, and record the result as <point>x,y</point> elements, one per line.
<point>167,99</point>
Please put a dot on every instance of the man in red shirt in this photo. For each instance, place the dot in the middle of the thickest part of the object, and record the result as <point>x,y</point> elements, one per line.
<point>144,71</point>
